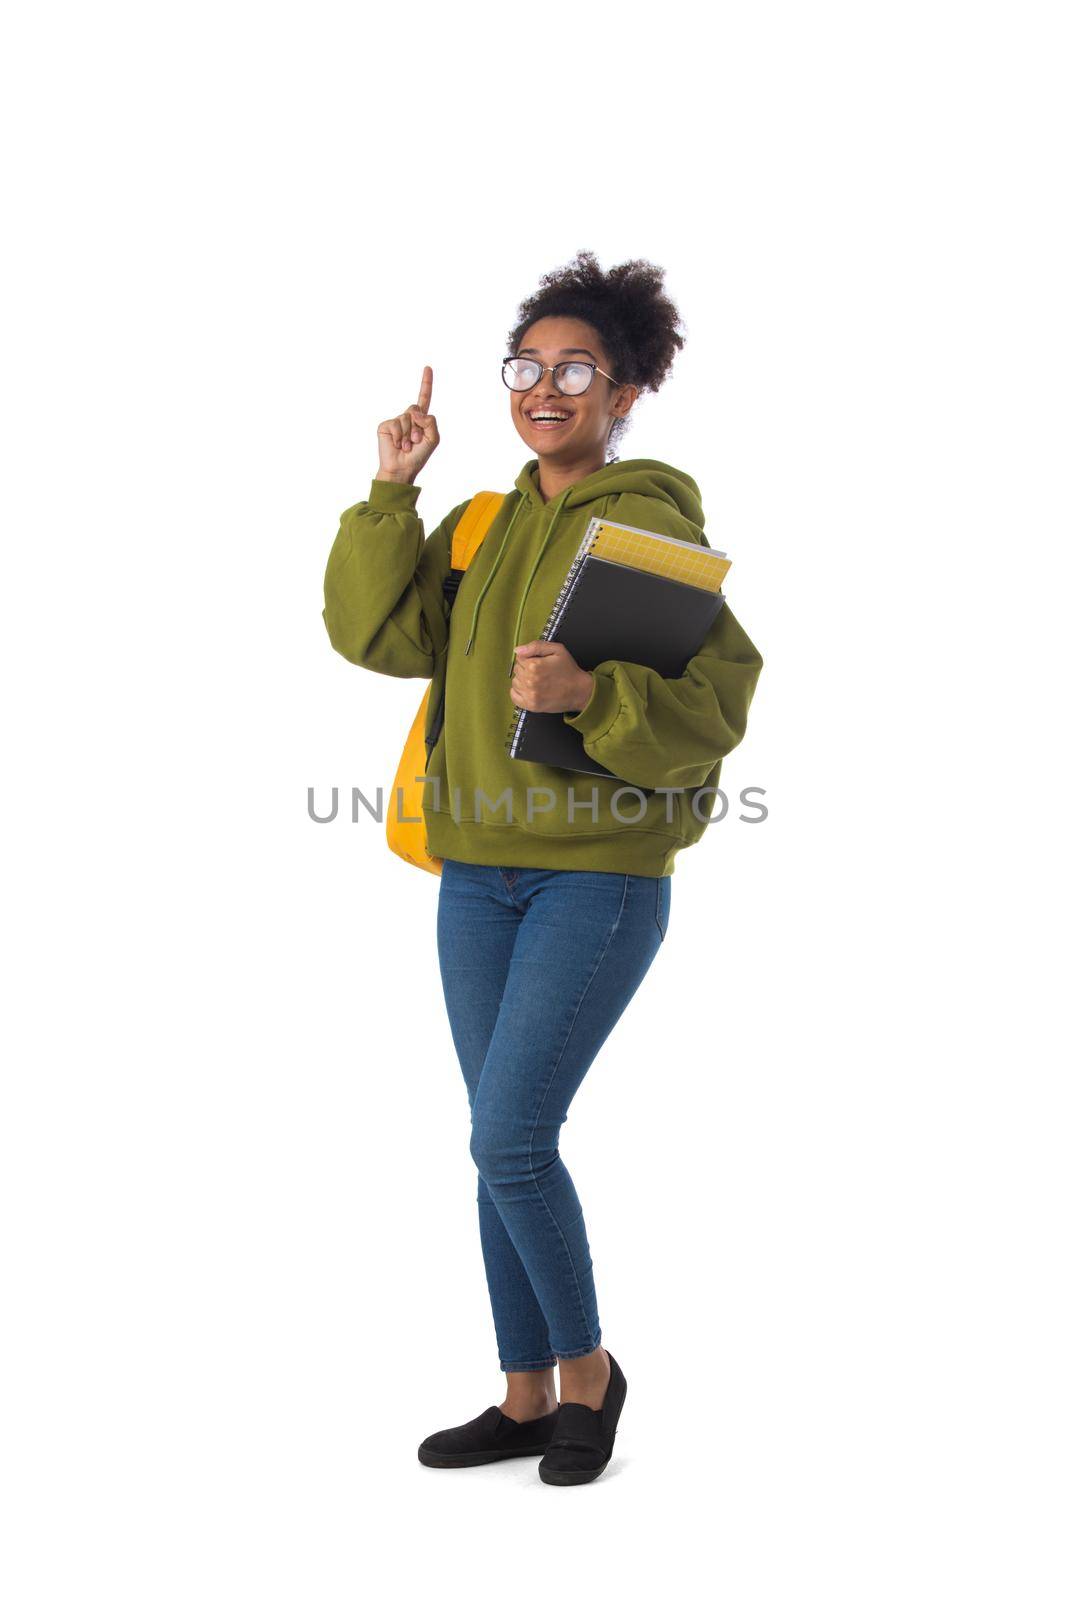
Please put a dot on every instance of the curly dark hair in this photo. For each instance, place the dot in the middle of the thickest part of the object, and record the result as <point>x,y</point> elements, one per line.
<point>638,324</point>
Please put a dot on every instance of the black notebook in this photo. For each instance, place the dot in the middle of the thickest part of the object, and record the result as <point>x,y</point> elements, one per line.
<point>608,610</point>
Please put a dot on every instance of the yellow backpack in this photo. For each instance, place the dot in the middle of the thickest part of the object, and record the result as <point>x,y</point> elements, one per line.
<point>405,824</point>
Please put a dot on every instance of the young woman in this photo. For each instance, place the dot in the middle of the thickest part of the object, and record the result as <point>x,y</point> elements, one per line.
<point>555,887</point>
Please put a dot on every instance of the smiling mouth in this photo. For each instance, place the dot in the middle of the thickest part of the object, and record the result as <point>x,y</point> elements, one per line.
<point>546,420</point>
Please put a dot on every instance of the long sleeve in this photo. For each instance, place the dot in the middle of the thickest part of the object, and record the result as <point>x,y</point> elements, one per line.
<point>659,732</point>
<point>384,584</point>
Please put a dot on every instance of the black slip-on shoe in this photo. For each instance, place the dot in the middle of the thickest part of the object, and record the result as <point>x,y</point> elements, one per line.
<point>583,1439</point>
<point>490,1437</point>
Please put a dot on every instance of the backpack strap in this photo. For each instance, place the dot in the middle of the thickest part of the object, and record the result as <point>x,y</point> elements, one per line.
<point>468,534</point>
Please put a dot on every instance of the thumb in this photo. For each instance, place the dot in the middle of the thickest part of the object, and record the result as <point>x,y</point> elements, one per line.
<point>537,647</point>
<point>425,421</point>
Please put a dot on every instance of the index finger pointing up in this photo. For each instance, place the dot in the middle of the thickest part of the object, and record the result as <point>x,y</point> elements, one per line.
<point>426,389</point>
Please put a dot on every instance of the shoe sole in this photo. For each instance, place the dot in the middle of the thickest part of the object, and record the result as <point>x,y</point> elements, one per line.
<point>478,1458</point>
<point>550,1475</point>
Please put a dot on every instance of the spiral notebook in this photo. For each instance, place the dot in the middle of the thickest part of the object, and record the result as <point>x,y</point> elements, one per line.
<point>629,595</point>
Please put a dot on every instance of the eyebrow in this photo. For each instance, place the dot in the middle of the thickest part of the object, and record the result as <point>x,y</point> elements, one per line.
<point>528,350</point>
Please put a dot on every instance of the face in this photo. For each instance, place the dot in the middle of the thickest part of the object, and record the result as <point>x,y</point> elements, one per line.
<point>582,434</point>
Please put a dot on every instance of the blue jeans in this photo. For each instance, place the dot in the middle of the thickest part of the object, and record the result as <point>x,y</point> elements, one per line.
<point>537,967</point>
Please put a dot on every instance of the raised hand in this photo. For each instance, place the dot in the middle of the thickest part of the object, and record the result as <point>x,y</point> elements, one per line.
<point>406,442</point>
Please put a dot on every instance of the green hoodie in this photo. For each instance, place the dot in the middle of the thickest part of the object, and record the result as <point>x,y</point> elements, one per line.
<point>665,737</point>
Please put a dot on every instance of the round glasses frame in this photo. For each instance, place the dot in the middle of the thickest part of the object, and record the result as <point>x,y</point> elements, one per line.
<point>590,367</point>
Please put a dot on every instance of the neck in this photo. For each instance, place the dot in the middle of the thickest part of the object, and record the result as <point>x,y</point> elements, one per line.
<point>553,476</point>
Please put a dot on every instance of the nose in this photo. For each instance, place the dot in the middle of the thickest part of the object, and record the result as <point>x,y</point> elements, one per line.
<point>544,391</point>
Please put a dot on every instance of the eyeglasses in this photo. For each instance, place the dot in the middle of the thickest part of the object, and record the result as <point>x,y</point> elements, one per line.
<point>569,377</point>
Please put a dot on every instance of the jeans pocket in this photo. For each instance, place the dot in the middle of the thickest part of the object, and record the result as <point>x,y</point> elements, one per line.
<point>663,906</point>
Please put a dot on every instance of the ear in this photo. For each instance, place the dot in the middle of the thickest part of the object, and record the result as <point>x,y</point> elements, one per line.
<point>624,399</point>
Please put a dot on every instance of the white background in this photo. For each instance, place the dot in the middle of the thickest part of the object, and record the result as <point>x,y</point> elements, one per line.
<point>821,1157</point>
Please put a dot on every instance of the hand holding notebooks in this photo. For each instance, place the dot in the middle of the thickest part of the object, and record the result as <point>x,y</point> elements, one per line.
<point>630,595</point>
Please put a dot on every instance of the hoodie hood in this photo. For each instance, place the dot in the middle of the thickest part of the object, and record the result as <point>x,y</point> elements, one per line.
<point>654,479</point>
<point>642,476</point>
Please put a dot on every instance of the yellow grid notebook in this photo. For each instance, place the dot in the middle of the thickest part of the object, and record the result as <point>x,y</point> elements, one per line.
<point>679,559</point>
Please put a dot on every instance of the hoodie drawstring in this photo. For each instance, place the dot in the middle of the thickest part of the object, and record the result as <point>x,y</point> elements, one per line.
<point>530,579</point>
<point>491,575</point>
<point>533,571</point>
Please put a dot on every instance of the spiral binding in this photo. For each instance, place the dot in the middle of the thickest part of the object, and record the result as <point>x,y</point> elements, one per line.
<point>555,617</point>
